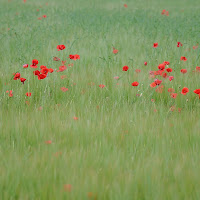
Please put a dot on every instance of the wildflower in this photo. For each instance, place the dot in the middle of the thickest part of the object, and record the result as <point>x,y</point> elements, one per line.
<point>184,91</point>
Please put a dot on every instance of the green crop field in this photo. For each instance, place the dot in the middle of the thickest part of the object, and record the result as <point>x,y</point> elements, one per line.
<point>83,126</point>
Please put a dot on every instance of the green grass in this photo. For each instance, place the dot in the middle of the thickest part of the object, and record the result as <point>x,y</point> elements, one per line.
<point>122,146</point>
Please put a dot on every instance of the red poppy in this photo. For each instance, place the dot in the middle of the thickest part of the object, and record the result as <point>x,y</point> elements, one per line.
<point>56,58</point>
<point>173,95</point>
<point>157,81</point>
<point>171,78</point>
<point>42,66</point>
<point>198,69</point>
<point>42,76</point>
<point>135,83</point>
<point>101,86</point>
<point>10,93</point>
<point>125,68</point>
<point>161,66</point>
<point>44,16</point>
<point>62,68</point>
<point>44,71</point>
<point>197,91</point>
<point>115,51</point>
<point>183,71</point>
<point>170,90</point>
<point>75,118</point>
<point>179,44</point>
<point>28,94</point>
<point>71,56</point>
<point>39,18</point>
<point>34,62</point>
<point>138,70</point>
<point>16,76</point>
<point>22,80</point>
<point>64,89</point>
<point>153,85</point>
<point>169,69</point>
<point>50,70</point>
<point>48,142</point>
<point>37,72</point>
<point>25,66</point>
<point>61,47</point>
<point>155,45</point>
<point>164,75</point>
<point>184,91</point>
<point>163,12</point>
<point>125,5</point>
<point>195,47</point>
<point>145,63</point>
<point>183,58</point>
<point>74,57</point>
<point>167,13</point>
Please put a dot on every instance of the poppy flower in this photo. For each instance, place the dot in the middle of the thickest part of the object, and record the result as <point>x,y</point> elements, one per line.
<point>171,78</point>
<point>195,47</point>
<point>37,72</point>
<point>125,68</point>
<point>115,51</point>
<point>44,71</point>
<point>163,12</point>
<point>56,58</point>
<point>166,63</point>
<point>64,89</point>
<point>61,47</point>
<point>34,62</point>
<point>28,94</point>
<point>167,13</point>
<point>179,44</point>
<point>161,66</point>
<point>50,70</point>
<point>39,18</point>
<point>101,86</point>
<point>198,69</point>
<point>116,77</point>
<point>171,90</point>
<point>184,91</point>
<point>25,66</point>
<point>42,66</point>
<point>135,83</point>
<point>183,58</point>
<point>157,81</point>
<point>125,5</point>
<point>48,142</point>
<point>62,68</point>
<point>74,57</point>
<point>169,69</point>
<point>16,76</point>
<point>44,16</point>
<point>42,76</point>
<point>155,45</point>
<point>183,71</point>
<point>197,91</point>
<point>22,80</point>
<point>153,85</point>
<point>164,75</point>
<point>145,63</point>
<point>173,95</point>
<point>75,118</point>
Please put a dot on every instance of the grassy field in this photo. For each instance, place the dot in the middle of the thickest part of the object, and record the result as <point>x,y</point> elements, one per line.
<point>117,142</point>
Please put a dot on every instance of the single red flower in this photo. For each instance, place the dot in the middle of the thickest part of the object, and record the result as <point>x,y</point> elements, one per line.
<point>163,12</point>
<point>125,5</point>
<point>64,89</point>
<point>42,76</point>
<point>157,81</point>
<point>173,95</point>
<point>184,91</point>
<point>195,47</point>
<point>161,66</point>
<point>183,71</point>
<point>167,13</point>
<point>171,78</point>
<point>164,75</point>
<point>197,91</point>
<point>135,83</point>
<point>44,16</point>
<point>37,72</point>
<point>28,94</point>
<point>145,63</point>
<point>179,44</point>
<point>16,76</point>
<point>42,67</point>
<point>61,47</point>
<point>34,62</point>
<point>166,63</point>
<point>125,68</point>
<point>48,142</point>
<point>101,86</point>
<point>169,69</point>
<point>25,66</point>
<point>50,70</point>
<point>198,69</point>
<point>22,80</point>
<point>75,118</point>
<point>44,71</point>
<point>62,68</point>
<point>183,58</point>
<point>155,45</point>
<point>115,51</point>
<point>153,85</point>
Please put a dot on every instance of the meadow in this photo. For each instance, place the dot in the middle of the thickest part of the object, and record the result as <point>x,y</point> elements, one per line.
<point>83,130</point>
